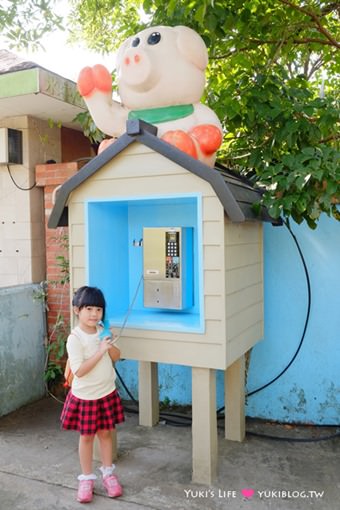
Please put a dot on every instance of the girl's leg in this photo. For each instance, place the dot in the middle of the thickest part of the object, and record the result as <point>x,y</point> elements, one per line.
<point>106,447</point>
<point>86,453</point>
<point>110,481</point>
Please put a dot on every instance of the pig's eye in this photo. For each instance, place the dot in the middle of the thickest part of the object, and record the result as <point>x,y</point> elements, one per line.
<point>154,38</point>
<point>135,42</point>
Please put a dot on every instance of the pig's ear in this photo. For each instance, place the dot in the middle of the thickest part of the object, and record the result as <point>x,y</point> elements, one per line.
<point>192,46</point>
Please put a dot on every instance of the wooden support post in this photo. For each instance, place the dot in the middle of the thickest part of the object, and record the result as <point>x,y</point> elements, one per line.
<point>234,382</point>
<point>204,425</point>
<point>96,447</point>
<point>148,393</point>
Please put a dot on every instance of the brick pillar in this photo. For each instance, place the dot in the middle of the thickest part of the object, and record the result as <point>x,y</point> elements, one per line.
<point>58,314</point>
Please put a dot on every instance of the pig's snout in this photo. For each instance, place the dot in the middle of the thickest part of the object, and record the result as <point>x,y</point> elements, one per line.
<point>137,70</point>
<point>132,60</point>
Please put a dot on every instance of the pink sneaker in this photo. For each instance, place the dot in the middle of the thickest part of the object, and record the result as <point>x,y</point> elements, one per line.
<point>85,491</point>
<point>112,486</point>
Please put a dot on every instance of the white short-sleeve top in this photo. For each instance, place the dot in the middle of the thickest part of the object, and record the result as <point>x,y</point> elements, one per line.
<point>101,380</point>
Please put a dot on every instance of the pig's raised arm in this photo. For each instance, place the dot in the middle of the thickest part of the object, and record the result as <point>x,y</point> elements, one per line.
<point>95,86</point>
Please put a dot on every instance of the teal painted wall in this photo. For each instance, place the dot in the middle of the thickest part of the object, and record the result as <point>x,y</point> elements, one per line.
<point>309,392</point>
<point>22,351</point>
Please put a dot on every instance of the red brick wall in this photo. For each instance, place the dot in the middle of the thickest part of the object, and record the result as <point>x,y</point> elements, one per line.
<point>50,177</point>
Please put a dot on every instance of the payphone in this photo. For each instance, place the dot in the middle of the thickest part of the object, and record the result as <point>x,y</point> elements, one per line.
<point>168,267</point>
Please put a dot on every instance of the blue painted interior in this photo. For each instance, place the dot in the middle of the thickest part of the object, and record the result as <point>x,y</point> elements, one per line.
<point>115,257</point>
<point>188,268</point>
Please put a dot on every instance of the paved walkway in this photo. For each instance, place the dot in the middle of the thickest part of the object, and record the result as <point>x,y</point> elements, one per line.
<point>39,468</point>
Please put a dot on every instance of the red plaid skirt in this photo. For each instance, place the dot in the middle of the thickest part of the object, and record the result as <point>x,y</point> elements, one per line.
<point>88,416</point>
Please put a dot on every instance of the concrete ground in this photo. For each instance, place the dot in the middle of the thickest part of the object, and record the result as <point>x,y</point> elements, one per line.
<point>39,467</point>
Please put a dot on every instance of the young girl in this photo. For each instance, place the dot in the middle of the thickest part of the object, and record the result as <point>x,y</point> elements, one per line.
<point>93,405</point>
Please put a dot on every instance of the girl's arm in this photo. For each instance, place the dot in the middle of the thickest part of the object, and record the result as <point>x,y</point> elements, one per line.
<point>90,363</point>
<point>114,353</point>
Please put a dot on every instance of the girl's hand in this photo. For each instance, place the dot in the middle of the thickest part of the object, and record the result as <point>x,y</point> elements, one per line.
<point>114,339</point>
<point>105,344</point>
<point>114,336</point>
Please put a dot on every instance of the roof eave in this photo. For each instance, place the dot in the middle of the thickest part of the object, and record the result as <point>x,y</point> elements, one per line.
<point>146,134</point>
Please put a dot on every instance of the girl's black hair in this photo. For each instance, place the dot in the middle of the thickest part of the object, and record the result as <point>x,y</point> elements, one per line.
<point>89,296</point>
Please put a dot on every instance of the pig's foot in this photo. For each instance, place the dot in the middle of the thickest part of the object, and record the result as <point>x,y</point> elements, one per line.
<point>208,137</point>
<point>181,141</point>
<point>105,144</point>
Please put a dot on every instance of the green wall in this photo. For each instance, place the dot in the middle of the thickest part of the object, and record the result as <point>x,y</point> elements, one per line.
<point>22,351</point>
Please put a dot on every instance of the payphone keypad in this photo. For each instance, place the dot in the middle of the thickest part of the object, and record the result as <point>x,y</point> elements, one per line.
<point>172,254</point>
<point>172,249</point>
<point>172,241</point>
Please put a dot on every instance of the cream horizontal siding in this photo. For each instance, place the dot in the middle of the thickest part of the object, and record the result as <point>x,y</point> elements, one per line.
<point>213,233</point>
<point>77,253</point>
<point>130,174</point>
<point>136,149</point>
<point>213,282</point>
<point>77,234</point>
<point>130,164</point>
<point>151,185</point>
<point>214,307</point>
<point>214,335</point>
<point>241,278</point>
<point>244,320</point>
<point>78,277</point>
<point>243,298</point>
<point>213,258</point>
<point>78,256</point>
<point>244,287</point>
<point>244,341</point>
<point>212,209</point>
<point>127,165</point>
<point>213,263</point>
<point>215,331</point>
<point>238,256</point>
<point>243,233</point>
<point>77,213</point>
<point>184,353</point>
<point>77,246</point>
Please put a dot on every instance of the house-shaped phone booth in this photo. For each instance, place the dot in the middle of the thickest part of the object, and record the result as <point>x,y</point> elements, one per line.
<point>176,248</point>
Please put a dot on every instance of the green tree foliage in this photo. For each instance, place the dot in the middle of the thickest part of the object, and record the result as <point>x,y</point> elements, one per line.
<point>273,80</point>
<point>24,22</point>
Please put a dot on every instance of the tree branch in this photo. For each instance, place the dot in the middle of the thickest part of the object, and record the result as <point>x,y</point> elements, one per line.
<point>316,20</point>
<point>308,40</point>
<point>261,42</point>
<point>315,67</point>
<point>330,138</point>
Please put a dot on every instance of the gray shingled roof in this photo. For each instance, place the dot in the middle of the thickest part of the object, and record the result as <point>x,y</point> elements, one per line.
<point>236,194</point>
<point>9,63</point>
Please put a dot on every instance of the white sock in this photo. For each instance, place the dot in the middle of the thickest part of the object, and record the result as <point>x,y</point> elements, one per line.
<point>91,476</point>
<point>107,470</point>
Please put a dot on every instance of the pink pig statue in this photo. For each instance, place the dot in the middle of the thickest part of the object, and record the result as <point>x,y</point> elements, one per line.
<point>161,79</point>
